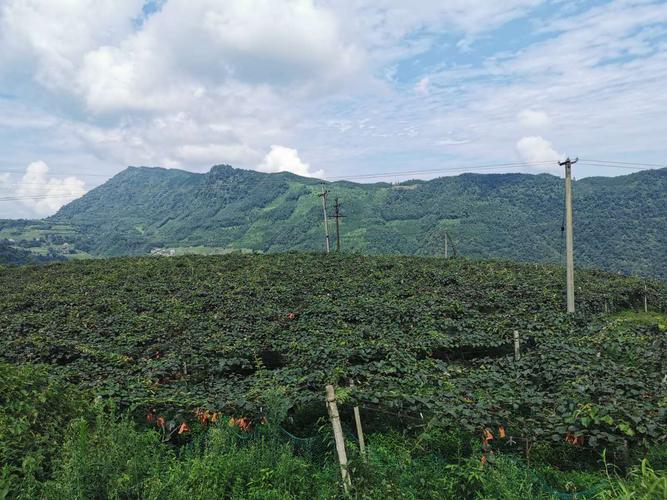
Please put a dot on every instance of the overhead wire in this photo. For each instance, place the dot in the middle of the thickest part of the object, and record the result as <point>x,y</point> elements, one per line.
<point>438,170</point>
<point>57,174</point>
<point>621,164</point>
<point>630,165</point>
<point>3,184</point>
<point>399,173</point>
<point>40,197</point>
<point>361,176</point>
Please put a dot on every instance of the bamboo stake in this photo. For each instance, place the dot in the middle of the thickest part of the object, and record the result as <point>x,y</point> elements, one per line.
<point>338,437</point>
<point>360,431</point>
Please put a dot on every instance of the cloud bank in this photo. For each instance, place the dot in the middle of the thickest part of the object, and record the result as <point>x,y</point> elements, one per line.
<point>45,195</point>
<point>353,86</point>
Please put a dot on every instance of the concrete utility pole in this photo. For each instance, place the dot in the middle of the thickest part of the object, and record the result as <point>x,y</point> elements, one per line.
<point>569,233</point>
<point>324,195</point>
<point>337,216</point>
<point>449,242</point>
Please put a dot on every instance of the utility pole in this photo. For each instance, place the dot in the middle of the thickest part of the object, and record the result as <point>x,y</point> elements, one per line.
<point>337,216</point>
<point>449,242</point>
<point>324,195</point>
<point>569,233</point>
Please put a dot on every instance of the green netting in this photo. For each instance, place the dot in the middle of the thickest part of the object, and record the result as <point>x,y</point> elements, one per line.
<point>579,495</point>
<point>248,436</point>
<point>314,447</point>
<point>554,493</point>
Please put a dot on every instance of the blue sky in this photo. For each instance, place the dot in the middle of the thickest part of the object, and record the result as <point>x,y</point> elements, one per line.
<point>327,88</point>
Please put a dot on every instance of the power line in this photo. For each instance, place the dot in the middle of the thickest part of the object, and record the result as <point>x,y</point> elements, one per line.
<point>607,163</point>
<point>19,198</point>
<point>585,163</point>
<point>438,170</point>
<point>629,163</point>
<point>591,163</point>
<point>621,167</point>
<point>55,174</point>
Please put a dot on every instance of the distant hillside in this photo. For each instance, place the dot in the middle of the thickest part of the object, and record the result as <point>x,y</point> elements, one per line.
<point>9,254</point>
<point>619,222</point>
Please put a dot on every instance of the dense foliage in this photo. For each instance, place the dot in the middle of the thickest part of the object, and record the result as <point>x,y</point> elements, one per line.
<point>419,335</point>
<point>35,408</point>
<point>619,221</point>
<point>96,454</point>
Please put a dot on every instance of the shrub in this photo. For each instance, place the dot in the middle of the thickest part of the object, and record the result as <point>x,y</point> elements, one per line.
<point>35,408</point>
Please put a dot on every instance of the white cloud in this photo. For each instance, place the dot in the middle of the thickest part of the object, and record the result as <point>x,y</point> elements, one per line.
<point>464,45</point>
<point>44,195</point>
<point>214,154</point>
<point>50,38</point>
<point>197,83</point>
<point>535,149</point>
<point>93,51</point>
<point>453,142</point>
<point>530,118</point>
<point>282,159</point>
<point>612,104</point>
<point>386,26</point>
<point>422,86</point>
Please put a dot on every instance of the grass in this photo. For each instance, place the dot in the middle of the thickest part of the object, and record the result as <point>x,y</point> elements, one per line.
<point>629,318</point>
<point>111,457</point>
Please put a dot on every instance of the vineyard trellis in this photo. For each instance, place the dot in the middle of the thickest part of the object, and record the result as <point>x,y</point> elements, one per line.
<point>429,336</point>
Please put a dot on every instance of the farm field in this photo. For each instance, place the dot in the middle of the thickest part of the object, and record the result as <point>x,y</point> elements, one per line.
<point>428,342</point>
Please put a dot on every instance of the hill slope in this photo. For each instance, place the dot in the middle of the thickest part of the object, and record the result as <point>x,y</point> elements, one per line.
<point>619,222</point>
<point>418,334</point>
<point>182,343</point>
<point>9,254</point>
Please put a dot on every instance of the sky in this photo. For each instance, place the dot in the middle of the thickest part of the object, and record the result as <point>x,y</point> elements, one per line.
<point>323,88</point>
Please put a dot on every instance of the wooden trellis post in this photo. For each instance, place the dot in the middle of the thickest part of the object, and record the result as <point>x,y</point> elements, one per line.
<point>517,347</point>
<point>332,408</point>
<point>360,431</point>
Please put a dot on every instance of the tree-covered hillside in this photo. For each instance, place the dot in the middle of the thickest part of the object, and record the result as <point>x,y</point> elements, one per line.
<point>9,254</point>
<point>619,221</point>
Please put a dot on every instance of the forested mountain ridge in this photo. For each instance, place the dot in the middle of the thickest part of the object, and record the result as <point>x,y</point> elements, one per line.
<point>619,221</point>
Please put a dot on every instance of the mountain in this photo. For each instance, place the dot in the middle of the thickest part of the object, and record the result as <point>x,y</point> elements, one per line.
<point>619,221</point>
